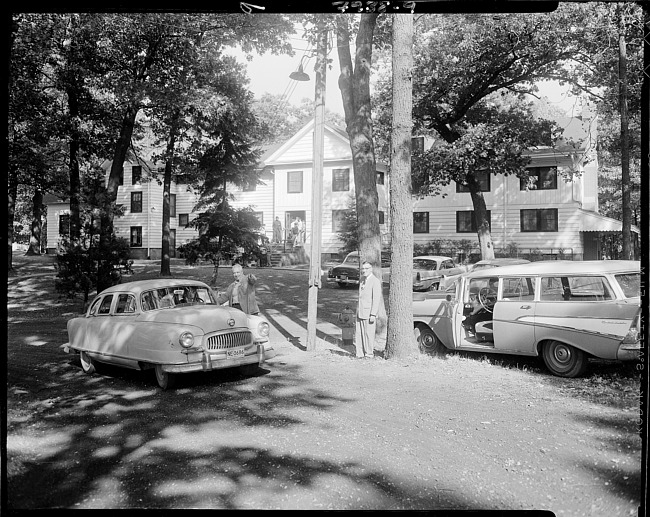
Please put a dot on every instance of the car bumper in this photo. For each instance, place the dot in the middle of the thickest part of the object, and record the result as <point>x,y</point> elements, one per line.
<point>216,360</point>
<point>631,352</point>
<point>339,280</point>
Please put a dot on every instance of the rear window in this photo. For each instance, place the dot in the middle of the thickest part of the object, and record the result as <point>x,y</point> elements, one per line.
<point>427,265</point>
<point>630,284</point>
<point>352,259</point>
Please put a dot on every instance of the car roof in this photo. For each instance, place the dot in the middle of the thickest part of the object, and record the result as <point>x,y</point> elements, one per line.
<point>543,267</point>
<point>503,261</point>
<point>140,286</point>
<point>432,257</point>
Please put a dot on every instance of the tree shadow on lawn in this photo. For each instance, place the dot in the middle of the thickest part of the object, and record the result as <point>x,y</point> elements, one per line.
<point>114,440</point>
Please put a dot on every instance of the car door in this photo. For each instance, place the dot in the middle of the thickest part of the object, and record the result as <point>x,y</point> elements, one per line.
<point>98,326</point>
<point>514,315</point>
<point>122,328</point>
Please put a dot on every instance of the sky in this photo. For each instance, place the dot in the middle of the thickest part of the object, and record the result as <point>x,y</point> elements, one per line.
<point>269,73</point>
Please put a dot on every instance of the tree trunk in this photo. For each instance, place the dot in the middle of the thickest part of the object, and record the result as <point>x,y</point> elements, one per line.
<point>165,269</point>
<point>75,217</point>
<point>12,192</point>
<point>625,137</point>
<point>106,218</point>
<point>355,92</point>
<point>482,224</point>
<point>354,84</point>
<point>399,342</point>
<point>37,223</point>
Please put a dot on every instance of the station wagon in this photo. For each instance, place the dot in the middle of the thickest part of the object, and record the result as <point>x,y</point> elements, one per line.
<point>564,311</point>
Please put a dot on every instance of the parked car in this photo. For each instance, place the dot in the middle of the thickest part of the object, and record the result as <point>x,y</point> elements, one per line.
<point>172,326</point>
<point>430,270</point>
<point>448,281</point>
<point>564,311</point>
<point>348,272</point>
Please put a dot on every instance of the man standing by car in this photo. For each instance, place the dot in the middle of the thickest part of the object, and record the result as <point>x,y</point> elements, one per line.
<point>241,293</point>
<point>367,308</point>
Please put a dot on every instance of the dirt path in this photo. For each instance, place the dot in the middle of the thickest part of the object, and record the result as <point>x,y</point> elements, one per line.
<point>315,430</point>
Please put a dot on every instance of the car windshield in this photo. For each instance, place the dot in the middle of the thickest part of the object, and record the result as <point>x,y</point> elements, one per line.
<point>177,296</point>
<point>427,265</point>
<point>630,284</point>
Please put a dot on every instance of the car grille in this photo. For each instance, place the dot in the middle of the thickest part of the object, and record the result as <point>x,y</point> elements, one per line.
<point>229,340</point>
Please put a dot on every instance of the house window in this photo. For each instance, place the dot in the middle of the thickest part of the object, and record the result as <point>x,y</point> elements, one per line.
<point>417,144</point>
<point>340,180</point>
<point>260,217</point>
<point>136,174</point>
<point>136,202</point>
<point>183,219</point>
<point>466,222</point>
<point>420,222</point>
<point>338,220</point>
<point>64,224</point>
<point>483,178</point>
<point>180,179</point>
<point>379,178</point>
<point>381,217</point>
<point>539,220</point>
<point>539,178</point>
<point>294,182</point>
<point>172,205</point>
<point>136,236</point>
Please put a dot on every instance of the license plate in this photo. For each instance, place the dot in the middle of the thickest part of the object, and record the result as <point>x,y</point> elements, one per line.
<point>344,278</point>
<point>235,352</point>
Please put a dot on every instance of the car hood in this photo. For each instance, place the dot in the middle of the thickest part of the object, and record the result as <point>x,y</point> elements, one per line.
<point>203,316</point>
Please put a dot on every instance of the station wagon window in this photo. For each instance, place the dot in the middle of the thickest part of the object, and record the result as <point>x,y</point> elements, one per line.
<point>575,289</point>
<point>105,306</point>
<point>518,289</point>
<point>125,304</point>
<point>630,284</point>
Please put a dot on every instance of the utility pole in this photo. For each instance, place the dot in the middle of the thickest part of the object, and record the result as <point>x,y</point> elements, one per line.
<point>317,187</point>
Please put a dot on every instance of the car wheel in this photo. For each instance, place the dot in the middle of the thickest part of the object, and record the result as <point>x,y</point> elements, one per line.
<point>249,369</point>
<point>165,379</point>
<point>427,341</point>
<point>564,360</point>
<point>87,363</point>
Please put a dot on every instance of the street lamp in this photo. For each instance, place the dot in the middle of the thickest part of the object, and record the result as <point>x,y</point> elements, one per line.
<point>317,181</point>
<point>300,74</point>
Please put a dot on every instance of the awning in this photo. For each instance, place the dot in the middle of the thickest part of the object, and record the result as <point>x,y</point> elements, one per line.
<point>593,222</point>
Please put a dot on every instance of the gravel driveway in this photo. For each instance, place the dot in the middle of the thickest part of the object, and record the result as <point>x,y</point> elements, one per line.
<point>314,430</point>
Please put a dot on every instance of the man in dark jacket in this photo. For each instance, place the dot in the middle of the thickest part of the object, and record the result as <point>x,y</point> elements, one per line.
<point>241,293</point>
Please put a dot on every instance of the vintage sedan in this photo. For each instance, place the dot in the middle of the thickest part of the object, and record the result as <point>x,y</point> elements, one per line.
<point>348,272</point>
<point>448,281</point>
<point>429,271</point>
<point>564,311</point>
<point>172,326</point>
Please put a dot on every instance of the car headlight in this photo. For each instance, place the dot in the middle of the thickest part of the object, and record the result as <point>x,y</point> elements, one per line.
<point>186,339</point>
<point>263,328</point>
